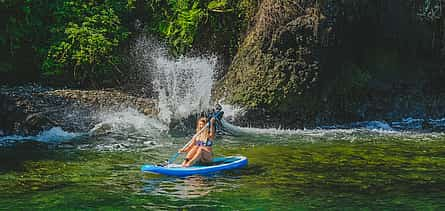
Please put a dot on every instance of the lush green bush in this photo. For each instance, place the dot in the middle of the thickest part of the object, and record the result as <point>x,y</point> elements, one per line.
<point>180,21</point>
<point>75,40</point>
<point>87,36</point>
<point>176,20</point>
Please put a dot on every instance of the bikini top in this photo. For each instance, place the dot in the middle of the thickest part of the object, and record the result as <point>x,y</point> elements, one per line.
<point>207,143</point>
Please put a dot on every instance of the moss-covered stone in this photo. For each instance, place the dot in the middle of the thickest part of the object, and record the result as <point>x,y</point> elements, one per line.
<point>275,61</point>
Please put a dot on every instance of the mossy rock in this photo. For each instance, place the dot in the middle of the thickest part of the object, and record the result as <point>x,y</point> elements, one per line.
<point>277,62</point>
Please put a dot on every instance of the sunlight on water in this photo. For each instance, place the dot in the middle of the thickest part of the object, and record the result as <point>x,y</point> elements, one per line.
<point>55,134</point>
<point>183,188</point>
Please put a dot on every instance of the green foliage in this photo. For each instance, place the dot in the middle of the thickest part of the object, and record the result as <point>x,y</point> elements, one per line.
<point>131,4</point>
<point>23,32</point>
<point>88,36</point>
<point>79,41</point>
<point>216,25</point>
<point>218,6</point>
<point>177,21</point>
<point>62,37</point>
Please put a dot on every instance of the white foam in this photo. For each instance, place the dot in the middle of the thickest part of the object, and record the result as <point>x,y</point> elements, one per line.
<point>127,120</point>
<point>232,112</point>
<point>53,135</point>
<point>183,85</point>
<point>367,130</point>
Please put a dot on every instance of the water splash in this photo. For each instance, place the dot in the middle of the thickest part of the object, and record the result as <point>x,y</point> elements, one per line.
<point>126,130</point>
<point>360,131</point>
<point>183,85</point>
<point>128,120</point>
<point>369,125</point>
<point>53,135</point>
<point>231,112</point>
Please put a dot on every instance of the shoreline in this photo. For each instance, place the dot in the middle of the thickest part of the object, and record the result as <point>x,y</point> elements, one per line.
<point>29,109</point>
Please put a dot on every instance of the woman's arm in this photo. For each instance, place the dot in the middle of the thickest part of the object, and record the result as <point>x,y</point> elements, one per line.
<point>212,129</point>
<point>191,143</point>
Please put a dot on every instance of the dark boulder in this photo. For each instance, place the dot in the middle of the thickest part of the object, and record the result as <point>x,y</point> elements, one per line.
<point>34,123</point>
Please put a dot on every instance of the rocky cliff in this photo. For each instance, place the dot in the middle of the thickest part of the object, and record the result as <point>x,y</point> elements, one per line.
<point>305,63</point>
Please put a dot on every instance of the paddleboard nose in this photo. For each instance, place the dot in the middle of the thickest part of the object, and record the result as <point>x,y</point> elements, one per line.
<point>148,167</point>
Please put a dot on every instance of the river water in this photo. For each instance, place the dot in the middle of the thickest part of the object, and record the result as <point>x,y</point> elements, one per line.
<point>342,169</point>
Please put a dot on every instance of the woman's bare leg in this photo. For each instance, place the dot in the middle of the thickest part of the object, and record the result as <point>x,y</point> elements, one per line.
<point>195,157</point>
<point>189,155</point>
<point>206,156</point>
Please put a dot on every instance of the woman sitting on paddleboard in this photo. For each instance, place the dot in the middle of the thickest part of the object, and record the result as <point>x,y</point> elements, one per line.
<point>201,147</point>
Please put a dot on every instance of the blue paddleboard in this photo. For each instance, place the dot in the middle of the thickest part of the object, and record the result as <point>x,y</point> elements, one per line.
<point>218,164</point>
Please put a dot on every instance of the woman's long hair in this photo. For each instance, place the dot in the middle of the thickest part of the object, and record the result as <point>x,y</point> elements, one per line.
<point>203,120</point>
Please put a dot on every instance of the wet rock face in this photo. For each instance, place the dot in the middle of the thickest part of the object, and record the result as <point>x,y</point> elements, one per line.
<point>277,62</point>
<point>30,109</point>
<point>305,63</point>
<point>37,122</point>
<point>9,114</point>
<point>108,99</point>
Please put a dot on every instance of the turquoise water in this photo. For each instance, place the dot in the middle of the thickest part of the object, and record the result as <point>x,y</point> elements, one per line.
<point>343,170</point>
